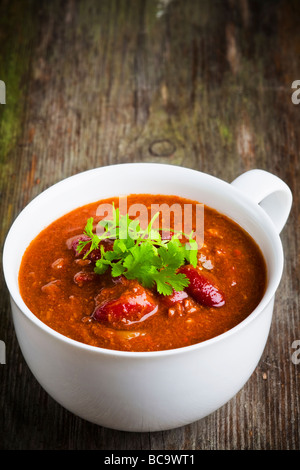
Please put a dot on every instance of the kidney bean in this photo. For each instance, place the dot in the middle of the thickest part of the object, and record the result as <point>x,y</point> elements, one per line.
<point>177,296</point>
<point>58,264</point>
<point>127,307</point>
<point>201,289</point>
<point>82,277</point>
<point>73,244</point>
<point>96,253</point>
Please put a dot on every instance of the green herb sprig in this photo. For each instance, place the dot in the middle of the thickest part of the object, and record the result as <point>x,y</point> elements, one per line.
<point>141,254</point>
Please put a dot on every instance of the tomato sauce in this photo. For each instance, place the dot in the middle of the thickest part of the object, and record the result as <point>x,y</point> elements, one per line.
<point>61,288</point>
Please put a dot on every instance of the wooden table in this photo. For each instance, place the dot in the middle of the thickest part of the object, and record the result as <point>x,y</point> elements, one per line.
<point>204,84</point>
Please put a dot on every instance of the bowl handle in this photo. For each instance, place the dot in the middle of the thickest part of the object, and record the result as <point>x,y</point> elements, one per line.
<point>269,191</point>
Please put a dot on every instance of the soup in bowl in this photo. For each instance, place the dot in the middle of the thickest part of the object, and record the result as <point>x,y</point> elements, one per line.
<point>142,294</point>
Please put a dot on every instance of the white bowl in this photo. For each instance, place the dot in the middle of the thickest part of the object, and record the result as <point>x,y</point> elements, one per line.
<point>150,391</point>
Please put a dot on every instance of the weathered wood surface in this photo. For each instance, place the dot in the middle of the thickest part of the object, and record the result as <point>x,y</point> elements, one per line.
<point>204,84</point>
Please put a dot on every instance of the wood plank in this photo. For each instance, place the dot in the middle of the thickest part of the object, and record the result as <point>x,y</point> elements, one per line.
<point>203,84</point>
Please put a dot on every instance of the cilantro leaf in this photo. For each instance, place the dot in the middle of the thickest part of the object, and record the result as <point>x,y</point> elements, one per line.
<point>168,280</point>
<point>140,254</point>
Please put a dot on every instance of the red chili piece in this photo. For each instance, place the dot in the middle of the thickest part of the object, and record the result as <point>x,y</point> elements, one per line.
<point>201,289</point>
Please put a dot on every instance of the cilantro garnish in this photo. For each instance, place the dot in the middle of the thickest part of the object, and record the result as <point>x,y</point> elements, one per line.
<point>141,254</point>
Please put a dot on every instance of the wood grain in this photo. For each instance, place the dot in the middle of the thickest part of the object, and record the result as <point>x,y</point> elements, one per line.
<point>202,84</point>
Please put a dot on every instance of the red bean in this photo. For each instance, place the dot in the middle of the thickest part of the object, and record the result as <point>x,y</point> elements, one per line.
<point>201,289</point>
<point>177,296</point>
<point>75,242</point>
<point>132,305</point>
<point>96,253</point>
<point>82,277</point>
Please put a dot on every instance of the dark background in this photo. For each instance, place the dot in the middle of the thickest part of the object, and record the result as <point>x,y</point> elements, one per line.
<point>204,84</point>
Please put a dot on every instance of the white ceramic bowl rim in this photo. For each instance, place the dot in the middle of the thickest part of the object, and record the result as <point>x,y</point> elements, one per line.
<point>16,297</point>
